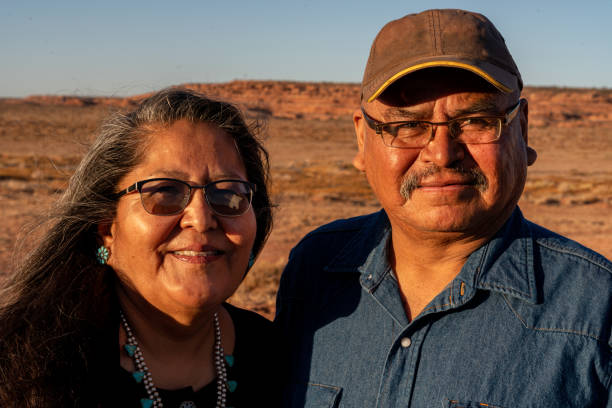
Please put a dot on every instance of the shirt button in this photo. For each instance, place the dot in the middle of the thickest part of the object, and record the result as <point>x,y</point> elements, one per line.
<point>406,342</point>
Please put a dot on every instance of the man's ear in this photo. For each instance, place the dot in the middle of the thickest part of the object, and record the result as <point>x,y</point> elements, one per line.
<point>532,155</point>
<point>359,124</point>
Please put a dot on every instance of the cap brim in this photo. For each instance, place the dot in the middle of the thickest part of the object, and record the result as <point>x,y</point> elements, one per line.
<point>496,76</point>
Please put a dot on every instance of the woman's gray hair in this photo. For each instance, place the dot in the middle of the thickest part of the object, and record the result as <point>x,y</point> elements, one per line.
<point>48,301</point>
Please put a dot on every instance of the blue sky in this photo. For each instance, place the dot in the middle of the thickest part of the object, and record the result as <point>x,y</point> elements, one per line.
<point>129,47</point>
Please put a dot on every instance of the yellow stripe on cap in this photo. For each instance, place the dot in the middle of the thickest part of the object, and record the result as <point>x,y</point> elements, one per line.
<point>430,64</point>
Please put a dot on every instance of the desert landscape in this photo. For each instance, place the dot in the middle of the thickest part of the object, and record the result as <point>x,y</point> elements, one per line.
<point>308,132</point>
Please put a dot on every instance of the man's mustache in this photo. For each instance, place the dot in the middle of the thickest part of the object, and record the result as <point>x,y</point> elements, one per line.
<point>412,180</point>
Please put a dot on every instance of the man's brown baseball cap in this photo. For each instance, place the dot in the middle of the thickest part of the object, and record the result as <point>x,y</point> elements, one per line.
<point>439,38</point>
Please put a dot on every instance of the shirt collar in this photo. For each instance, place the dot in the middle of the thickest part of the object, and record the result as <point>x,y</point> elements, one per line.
<point>504,264</point>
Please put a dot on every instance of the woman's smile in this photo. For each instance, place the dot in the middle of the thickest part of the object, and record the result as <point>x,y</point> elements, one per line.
<point>204,256</point>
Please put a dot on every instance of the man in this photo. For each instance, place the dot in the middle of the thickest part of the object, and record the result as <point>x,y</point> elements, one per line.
<point>447,297</point>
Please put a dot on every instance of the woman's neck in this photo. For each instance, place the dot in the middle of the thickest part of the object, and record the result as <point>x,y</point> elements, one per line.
<point>176,354</point>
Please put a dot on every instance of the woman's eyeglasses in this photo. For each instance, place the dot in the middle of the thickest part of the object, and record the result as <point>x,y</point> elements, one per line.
<point>166,196</point>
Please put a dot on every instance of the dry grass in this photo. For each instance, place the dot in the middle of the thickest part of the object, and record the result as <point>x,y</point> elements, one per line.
<point>313,181</point>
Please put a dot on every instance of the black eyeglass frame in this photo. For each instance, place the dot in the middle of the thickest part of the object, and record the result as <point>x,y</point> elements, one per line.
<point>252,188</point>
<point>379,127</point>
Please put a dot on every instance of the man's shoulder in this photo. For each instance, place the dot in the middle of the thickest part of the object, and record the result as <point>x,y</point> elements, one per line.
<point>341,226</point>
<point>574,288</point>
<point>332,238</point>
<point>345,239</point>
<point>336,233</point>
<point>568,250</point>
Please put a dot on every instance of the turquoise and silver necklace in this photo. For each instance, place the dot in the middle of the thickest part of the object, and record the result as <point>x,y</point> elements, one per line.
<point>143,375</point>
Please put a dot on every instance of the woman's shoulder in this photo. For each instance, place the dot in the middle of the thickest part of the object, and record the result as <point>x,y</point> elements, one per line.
<point>256,336</point>
<point>257,369</point>
<point>247,318</point>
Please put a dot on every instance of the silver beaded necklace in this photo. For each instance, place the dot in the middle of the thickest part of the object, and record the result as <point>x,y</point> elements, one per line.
<point>143,375</point>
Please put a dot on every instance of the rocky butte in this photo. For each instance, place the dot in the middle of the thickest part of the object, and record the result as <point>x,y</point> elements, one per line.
<point>568,107</point>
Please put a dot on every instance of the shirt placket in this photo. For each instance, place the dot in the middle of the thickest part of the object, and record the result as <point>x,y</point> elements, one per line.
<point>407,338</point>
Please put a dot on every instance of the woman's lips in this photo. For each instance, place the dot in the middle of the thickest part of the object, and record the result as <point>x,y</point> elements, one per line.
<point>198,257</point>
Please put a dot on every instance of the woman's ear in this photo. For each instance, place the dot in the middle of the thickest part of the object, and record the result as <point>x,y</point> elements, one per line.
<point>105,234</point>
<point>105,242</point>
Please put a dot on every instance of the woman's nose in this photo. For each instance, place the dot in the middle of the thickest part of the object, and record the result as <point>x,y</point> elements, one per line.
<point>198,214</point>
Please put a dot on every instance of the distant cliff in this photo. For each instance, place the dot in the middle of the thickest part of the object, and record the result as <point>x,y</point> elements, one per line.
<point>567,107</point>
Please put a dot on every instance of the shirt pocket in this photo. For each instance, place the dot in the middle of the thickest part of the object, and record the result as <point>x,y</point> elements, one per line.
<point>450,403</point>
<point>313,395</point>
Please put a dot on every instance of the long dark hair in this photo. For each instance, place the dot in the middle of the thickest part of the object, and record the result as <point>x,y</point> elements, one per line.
<point>61,296</point>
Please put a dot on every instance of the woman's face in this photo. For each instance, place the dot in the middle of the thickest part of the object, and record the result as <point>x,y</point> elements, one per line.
<point>192,260</point>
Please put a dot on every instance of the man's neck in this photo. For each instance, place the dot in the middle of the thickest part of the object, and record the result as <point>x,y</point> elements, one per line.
<point>426,263</point>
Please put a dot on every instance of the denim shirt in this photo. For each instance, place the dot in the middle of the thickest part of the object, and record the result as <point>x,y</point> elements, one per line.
<point>526,323</point>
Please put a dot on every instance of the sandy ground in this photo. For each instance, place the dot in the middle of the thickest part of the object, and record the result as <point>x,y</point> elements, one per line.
<point>569,189</point>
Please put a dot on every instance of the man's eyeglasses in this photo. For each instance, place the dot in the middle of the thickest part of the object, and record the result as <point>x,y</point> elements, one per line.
<point>418,133</point>
<point>167,196</point>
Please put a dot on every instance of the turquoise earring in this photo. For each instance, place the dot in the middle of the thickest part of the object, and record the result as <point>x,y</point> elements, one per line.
<point>102,255</point>
<point>251,261</point>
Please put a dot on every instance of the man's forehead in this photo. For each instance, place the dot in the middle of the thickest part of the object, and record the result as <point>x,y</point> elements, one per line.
<point>462,104</point>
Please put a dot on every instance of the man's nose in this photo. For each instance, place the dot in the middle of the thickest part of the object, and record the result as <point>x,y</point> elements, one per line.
<point>442,148</point>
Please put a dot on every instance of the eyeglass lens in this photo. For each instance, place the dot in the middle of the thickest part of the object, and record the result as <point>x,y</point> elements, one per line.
<point>168,197</point>
<point>465,130</point>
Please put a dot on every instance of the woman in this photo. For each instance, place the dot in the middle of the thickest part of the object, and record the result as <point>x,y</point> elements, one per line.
<point>122,304</point>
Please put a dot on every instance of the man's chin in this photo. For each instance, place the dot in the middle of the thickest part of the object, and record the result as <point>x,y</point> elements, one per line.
<point>449,218</point>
